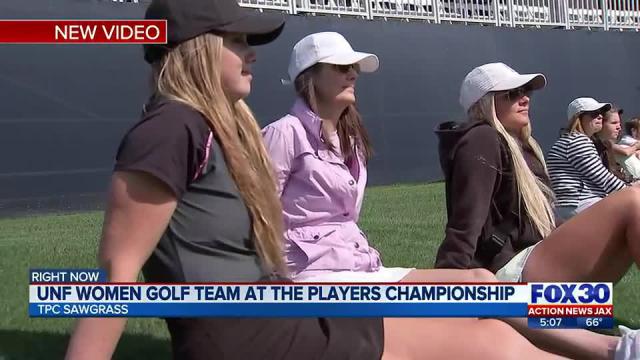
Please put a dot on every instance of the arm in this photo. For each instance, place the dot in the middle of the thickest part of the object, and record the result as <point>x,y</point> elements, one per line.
<point>625,150</point>
<point>472,183</point>
<point>154,166</point>
<point>138,212</point>
<point>281,154</point>
<point>584,157</point>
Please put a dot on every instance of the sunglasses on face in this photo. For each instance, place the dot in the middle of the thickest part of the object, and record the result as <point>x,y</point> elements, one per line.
<point>592,114</point>
<point>346,68</point>
<point>518,93</point>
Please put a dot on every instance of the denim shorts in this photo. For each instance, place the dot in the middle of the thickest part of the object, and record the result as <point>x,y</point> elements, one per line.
<point>565,213</point>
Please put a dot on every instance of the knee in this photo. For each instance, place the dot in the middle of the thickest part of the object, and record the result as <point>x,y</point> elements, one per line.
<point>632,197</point>
<point>632,193</point>
<point>482,275</point>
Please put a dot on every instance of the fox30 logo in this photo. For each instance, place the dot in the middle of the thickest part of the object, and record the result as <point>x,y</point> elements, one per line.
<point>571,293</point>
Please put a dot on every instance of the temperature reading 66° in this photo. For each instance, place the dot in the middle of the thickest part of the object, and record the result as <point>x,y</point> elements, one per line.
<point>593,322</point>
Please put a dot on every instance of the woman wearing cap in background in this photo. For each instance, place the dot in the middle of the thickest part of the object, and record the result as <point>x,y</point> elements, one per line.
<point>499,208</point>
<point>578,177</point>
<point>320,152</point>
<point>192,199</point>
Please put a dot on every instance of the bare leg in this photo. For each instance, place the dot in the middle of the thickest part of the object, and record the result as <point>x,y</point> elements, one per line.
<point>469,338</point>
<point>427,338</point>
<point>580,344</point>
<point>572,343</point>
<point>599,244</point>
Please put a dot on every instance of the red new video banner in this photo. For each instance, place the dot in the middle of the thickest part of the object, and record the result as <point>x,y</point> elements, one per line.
<point>83,31</point>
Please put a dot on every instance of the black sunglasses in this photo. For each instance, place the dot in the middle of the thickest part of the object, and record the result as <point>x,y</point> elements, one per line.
<point>594,114</point>
<point>518,93</point>
<point>346,68</point>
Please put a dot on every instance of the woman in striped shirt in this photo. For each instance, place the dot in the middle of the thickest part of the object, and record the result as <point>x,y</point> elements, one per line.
<point>578,177</point>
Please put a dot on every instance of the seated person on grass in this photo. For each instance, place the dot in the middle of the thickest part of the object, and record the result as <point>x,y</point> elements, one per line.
<point>500,215</point>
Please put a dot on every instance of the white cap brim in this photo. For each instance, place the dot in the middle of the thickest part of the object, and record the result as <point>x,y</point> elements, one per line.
<point>598,106</point>
<point>535,82</point>
<point>602,107</point>
<point>581,105</point>
<point>368,62</point>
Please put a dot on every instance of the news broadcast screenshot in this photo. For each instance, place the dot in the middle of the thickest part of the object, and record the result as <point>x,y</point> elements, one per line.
<point>320,179</point>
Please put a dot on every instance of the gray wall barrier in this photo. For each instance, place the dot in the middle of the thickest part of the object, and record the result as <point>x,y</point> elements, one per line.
<point>64,108</point>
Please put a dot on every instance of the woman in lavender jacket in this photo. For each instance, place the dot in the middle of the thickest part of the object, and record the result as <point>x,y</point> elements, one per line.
<point>320,159</point>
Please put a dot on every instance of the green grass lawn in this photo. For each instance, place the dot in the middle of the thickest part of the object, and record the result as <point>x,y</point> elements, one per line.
<point>404,222</point>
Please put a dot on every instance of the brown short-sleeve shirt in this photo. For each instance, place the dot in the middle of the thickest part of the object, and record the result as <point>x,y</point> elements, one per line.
<point>209,236</point>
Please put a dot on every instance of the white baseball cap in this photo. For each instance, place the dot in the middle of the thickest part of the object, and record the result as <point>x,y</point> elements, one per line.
<point>585,104</point>
<point>495,77</point>
<point>330,48</point>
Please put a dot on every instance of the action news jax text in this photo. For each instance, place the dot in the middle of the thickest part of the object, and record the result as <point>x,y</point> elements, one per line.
<point>85,293</point>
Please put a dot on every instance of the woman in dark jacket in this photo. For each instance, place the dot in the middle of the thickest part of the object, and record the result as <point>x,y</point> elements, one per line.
<point>500,205</point>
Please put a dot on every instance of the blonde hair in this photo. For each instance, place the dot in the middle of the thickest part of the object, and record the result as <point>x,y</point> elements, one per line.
<point>575,124</point>
<point>191,74</point>
<point>535,195</point>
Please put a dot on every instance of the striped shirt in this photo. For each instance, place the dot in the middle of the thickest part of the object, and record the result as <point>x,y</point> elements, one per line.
<point>576,171</point>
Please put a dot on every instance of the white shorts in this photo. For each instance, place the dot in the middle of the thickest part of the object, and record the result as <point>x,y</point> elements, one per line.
<point>585,204</point>
<point>512,271</point>
<point>383,275</point>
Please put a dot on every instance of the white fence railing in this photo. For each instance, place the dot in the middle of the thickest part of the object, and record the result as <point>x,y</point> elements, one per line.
<point>595,14</point>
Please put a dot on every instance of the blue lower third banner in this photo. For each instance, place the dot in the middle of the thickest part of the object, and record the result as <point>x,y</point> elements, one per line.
<point>61,309</point>
<point>571,323</point>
